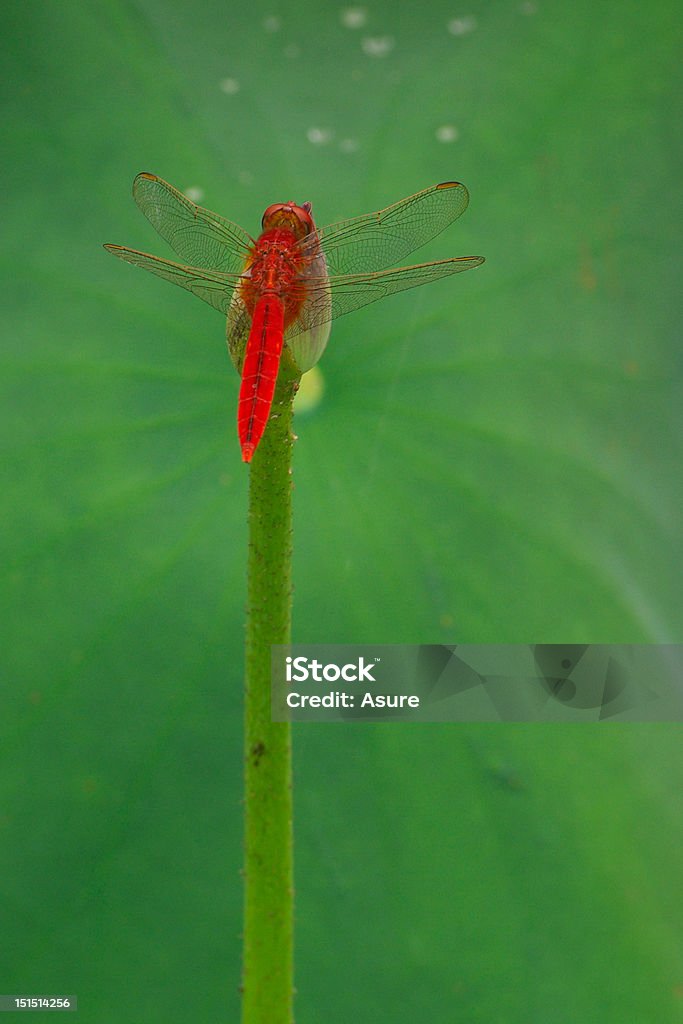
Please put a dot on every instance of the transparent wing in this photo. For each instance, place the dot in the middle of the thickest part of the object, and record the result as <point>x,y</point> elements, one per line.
<point>238,328</point>
<point>210,285</point>
<point>329,298</point>
<point>199,236</point>
<point>378,240</point>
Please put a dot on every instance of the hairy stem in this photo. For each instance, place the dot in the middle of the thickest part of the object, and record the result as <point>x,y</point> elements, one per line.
<point>268,913</point>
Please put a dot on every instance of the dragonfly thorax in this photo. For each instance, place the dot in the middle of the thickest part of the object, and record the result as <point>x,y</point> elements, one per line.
<point>276,266</point>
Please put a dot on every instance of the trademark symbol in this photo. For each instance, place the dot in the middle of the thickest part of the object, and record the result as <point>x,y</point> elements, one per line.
<point>376,659</point>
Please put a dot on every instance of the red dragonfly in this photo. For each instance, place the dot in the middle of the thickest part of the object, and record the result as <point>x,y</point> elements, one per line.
<point>286,286</point>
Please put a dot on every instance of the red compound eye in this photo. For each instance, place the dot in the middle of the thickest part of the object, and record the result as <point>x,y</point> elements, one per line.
<point>298,218</point>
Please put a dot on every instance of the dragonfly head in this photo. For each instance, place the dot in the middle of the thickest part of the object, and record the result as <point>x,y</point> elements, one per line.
<point>289,216</point>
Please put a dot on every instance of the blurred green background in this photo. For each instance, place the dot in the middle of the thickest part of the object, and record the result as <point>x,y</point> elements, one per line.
<point>496,459</point>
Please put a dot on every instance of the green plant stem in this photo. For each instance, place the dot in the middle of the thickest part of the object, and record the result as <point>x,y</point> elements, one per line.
<point>267,981</point>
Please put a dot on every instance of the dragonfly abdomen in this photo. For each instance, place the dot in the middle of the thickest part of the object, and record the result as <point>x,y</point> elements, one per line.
<point>259,371</point>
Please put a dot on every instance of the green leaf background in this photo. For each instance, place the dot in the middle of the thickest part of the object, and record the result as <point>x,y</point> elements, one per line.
<point>495,459</point>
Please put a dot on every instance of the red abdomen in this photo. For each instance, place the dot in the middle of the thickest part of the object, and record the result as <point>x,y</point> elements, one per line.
<point>259,371</point>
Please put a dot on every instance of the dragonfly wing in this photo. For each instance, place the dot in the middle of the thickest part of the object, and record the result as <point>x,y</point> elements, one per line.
<point>378,240</point>
<point>307,343</point>
<point>336,296</point>
<point>238,328</point>
<point>210,285</point>
<point>199,236</point>
<point>307,337</point>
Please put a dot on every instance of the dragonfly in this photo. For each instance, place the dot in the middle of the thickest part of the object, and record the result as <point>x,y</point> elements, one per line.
<point>285,287</point>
